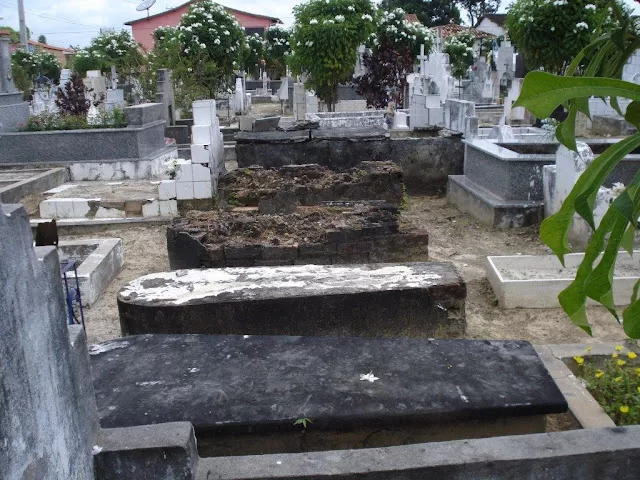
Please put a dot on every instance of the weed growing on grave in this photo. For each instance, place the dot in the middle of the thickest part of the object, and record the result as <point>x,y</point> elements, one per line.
<point>304,421</point>
<point>233,200</point>
<point>615,384</point>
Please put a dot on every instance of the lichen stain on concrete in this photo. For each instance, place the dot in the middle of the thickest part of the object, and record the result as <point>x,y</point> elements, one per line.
<point>171,288</point>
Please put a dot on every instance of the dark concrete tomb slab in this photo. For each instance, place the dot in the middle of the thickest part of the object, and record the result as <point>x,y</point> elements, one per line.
<point>235,386</point>
<point>410,299</point>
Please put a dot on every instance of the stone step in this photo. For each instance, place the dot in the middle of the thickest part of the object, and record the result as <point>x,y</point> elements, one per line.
<point>410,299</point>
<point>357,392</point>
<point>488,208</point>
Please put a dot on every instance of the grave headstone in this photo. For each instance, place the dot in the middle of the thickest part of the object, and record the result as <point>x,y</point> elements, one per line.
<point>165,95</point>
<point>425,97</point>
<point>95,82</point>
<point>299,101</point>
<point>13,110</point>
<point>239,97</point>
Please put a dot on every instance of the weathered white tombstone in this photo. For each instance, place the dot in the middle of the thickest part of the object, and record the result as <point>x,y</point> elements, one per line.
<point>299,101</point>
<point>239,97</point>
<point>165,95</point>
<point>559,180</point>
<point>424,97</point>
<point>97,85</point>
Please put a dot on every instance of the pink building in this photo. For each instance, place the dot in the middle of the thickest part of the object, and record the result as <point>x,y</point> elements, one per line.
<point>143,28</point>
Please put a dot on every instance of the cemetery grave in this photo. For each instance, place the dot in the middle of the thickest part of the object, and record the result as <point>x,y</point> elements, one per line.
<point>17,182</point>
<point>503,183</point>
<point>534,281</point>
<point>408,299</point>
<point>342,233</point>
<point>312,184</point>
<point>98,261</point>
<point>356,392</point>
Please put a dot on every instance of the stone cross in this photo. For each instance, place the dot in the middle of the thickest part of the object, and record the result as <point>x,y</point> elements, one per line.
<point>6,81</point>
<point>423,61</point>
<point>114,77</point>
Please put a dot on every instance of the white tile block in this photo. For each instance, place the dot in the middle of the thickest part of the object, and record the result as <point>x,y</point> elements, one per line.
<point>151,208</point>
<point>110,213</point>
<point>200,153</point>
<point>183,172</point>
<point>168,207</point>
<point>48,209</point>
<point>203,112</point>
<point>81,207</point>
<point>184,190</point>
<point>64,208</point>
<point>202,189</point>
<point>167,190</point>
<point>200,173</point>
<point>202,134</point>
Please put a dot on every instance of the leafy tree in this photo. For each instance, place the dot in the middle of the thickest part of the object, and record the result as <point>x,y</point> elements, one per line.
<point>476,9</point>
<point>277,49</point>
<point>42,39</point>
<point>26,67</point>
<point>394,47</point>
<point>431,13</point>
<point>110,48</point>
<point>253,54</point>
<point>460,50</point>
<point>549,33</point>
<point>542,93</point>
<point>326,35</point>
<point>14,35</point>
<point>202,52</point>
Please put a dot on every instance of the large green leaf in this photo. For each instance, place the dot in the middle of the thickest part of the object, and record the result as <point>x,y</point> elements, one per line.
<point>573,299</point>
<point>542,92</point>
<point>554,229</point>
<point>631,319</point>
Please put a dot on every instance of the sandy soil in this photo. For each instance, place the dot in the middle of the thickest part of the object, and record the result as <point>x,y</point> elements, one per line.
<point>454,237</point>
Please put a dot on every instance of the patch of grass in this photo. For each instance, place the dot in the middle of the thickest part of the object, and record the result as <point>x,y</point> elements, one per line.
<point>614,383</point>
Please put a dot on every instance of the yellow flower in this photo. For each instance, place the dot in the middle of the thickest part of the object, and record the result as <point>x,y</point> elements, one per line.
<point>579,360</point>
<point>619,348</point>
<point>617,379</point>
<point>615,355</point>
<point>624,409</point>
<point>620,363</point>
<point>599,373</point>
<point>588,349</point>
<point>632,355</point>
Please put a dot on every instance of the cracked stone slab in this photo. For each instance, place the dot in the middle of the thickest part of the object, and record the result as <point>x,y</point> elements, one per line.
<point>368,300</point>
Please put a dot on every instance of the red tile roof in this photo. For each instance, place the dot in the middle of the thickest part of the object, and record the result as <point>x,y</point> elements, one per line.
<point>273,19</point>
<point>411,18</point>
<point>452,29</point>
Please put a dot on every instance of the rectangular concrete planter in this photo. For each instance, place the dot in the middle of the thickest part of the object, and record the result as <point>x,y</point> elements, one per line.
<point>100,260</point>
<point>68,146</point>
<point>534,281</point>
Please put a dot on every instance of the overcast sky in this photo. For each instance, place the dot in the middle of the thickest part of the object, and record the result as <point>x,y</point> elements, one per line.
<point>75,22</point>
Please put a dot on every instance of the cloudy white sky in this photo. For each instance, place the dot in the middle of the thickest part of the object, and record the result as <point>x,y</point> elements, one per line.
<point>75,22</point>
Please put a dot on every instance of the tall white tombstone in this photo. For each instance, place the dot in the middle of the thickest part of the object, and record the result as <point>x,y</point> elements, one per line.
<point>239,97</point>
<point>299,101</point>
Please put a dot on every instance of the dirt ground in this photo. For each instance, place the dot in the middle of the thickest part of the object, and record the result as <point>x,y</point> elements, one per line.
<point>454,237</point>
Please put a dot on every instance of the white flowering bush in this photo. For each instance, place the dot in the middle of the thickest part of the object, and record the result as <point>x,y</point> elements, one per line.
<point>27,66</point>
<point>550,33</point>
<point>277,49</point>
<point>202,51</point>
<point>209,28</point>
<point>461,53</point>
<point>324,43</point>
<point>253,54</point>
<point>392,29</point>
<point>110,48</point>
